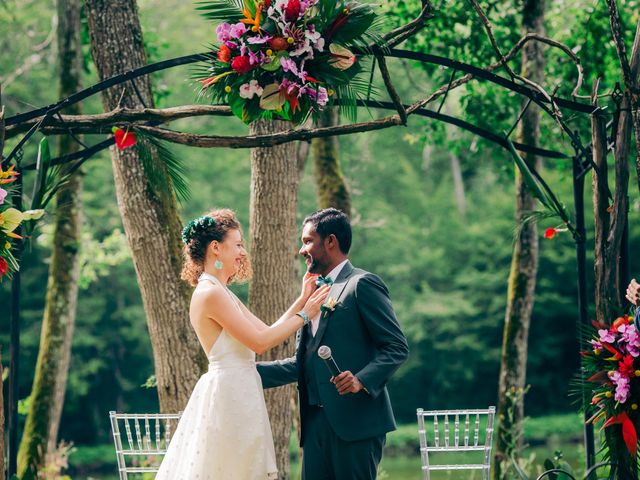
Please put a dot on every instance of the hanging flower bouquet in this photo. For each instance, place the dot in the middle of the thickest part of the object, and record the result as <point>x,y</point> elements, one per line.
<point>10,219</point>
<point>612,368</point>
<point>288,58</point>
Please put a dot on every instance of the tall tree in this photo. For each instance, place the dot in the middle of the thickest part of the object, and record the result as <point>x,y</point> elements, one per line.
<point>50,379</point>
<point>332,190</point>
<point>524,264</point>
<point>149,215</point>
<point>273,238</point>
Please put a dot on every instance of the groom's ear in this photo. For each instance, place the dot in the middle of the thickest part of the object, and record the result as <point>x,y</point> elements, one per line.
<point>332,241</point>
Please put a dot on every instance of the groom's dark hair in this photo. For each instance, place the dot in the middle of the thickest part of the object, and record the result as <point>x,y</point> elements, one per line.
<point>332,221</point>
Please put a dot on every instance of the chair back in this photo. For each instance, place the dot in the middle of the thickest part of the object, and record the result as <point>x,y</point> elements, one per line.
<point>453,432</point>
<point>141,439</point>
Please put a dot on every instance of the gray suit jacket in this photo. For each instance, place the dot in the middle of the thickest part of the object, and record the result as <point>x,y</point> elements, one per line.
<point>365,338</point>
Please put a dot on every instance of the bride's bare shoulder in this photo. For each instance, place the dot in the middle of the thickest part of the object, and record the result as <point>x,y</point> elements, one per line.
<point>208,296</point>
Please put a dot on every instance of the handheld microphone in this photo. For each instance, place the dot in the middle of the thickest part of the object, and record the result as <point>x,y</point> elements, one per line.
<point>324,353</point>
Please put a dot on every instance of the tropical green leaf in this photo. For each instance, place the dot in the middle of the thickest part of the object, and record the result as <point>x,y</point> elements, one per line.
<point>42,169</point>
<point>161,166</point>
<point>225,10</point>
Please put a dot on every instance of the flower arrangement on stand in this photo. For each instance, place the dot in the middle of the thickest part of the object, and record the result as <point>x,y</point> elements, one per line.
<point>288,59</point>
<point>611,366</point>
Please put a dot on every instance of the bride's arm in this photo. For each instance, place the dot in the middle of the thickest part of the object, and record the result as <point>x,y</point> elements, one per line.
<point>217,305</point>
<point>308,287</point>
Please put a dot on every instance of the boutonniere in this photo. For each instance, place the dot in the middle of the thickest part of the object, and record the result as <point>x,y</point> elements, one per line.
<point>329,305</point>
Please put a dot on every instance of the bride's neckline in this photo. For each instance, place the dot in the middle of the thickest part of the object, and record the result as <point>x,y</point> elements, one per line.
<point>212,278</point>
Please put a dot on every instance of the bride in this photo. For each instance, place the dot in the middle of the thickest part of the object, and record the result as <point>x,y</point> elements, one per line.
<point>224,432</point>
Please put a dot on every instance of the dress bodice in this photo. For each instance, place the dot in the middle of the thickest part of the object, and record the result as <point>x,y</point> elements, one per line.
<point>227,351</point>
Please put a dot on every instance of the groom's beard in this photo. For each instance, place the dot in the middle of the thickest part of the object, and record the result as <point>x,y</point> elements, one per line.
<point>313,266</point>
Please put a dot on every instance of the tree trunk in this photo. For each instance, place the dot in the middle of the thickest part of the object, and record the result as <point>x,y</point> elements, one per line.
<point>150,217</point>
<point>50,379</point>
<point>274,196</point>
<point>331,188</point>
<point>524,266</point>
<point>458,184</point>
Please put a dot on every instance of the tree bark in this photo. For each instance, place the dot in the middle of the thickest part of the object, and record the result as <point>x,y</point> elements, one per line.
<point>150,217</point>
<point>50,379</point>
<point>332,190</point>
<point>524,266</point>
<point>274,195</point>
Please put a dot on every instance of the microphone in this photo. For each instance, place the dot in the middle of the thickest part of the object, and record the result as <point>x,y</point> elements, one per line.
<point>324,353</point>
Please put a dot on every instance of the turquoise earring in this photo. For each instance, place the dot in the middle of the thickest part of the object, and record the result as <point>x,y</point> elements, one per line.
<point>218,265</point>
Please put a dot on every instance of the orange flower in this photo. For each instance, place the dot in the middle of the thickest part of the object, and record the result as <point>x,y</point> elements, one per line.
<point>9,175</point>
<point>249,20</point>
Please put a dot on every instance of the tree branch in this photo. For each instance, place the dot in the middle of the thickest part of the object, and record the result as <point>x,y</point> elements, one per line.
<point>253,141</point>
<point>395,98</point>
<point>102,122</point>
<point>400,34</point>
<point>621,48</point>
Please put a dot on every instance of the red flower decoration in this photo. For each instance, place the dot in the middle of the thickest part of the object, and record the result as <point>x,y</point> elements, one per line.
<point>124,139</point>
<point>292,10</point>
<point>626,366</point>
<point>619,321</point>
<point>224,54</point>
<point>628,431</point>
<point>4,267</point>
<point>550,233</point>
<point>278,43</point>
<point>267,4</point>
<point>241,64</point>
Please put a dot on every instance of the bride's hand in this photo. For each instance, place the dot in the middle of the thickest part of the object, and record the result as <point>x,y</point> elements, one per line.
<point>308,286</point>
<point>315,301</point>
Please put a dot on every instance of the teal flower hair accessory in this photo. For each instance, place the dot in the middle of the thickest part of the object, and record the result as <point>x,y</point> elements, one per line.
<point>196,226</point>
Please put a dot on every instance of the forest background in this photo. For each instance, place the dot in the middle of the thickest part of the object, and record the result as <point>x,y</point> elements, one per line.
<point>433,212</point>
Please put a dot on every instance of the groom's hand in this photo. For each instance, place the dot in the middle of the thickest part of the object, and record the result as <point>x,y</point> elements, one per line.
<point>347,382</point>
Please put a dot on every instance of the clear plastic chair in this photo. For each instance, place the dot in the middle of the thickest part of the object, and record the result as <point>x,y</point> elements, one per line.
<point>456,431</point>
<point>141,439</point>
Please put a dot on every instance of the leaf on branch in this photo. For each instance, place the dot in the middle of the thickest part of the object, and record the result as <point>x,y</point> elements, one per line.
<point>162,167</point>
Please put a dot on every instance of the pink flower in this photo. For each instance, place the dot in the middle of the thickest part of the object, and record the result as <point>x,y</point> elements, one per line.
<point>622,390</point>
<point>595,344</point>
<point>3,195</point>
<point>226,31</point>
<point>248,90</point>
<point>606,336</point>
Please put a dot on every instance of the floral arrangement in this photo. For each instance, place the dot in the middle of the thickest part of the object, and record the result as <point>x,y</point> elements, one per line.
<point>612,365</point>
<point>10,219</point>
<point>288,58</point>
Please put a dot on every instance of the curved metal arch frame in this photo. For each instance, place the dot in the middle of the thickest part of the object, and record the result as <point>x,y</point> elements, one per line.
<point>580,158</point>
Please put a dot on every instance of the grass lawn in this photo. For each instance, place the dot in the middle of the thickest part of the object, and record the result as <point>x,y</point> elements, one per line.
<point>544,435</point>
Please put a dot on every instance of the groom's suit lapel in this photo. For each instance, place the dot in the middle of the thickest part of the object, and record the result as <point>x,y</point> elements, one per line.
<point>336,292</point>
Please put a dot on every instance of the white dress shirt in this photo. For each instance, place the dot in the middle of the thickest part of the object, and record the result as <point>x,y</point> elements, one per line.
<point>333,274</point>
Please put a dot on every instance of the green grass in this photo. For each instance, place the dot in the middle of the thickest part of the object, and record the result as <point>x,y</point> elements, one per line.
<point>401,461</point>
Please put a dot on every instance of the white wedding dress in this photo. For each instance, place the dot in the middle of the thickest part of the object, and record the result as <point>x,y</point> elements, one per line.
<point>224,432</point>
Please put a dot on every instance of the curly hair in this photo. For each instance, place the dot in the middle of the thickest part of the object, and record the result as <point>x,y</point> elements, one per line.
<point>197,236</point>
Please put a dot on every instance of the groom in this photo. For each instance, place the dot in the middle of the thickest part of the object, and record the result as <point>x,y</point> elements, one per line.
<point>344,419</point>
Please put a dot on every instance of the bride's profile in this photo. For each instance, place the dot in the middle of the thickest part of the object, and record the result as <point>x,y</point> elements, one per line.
<point>224,431</point>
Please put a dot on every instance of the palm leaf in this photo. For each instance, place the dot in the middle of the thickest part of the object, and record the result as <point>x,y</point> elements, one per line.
<point>539,189</point>
<point>161,166</point>
<point>221,10</point>
<point>42,169</point>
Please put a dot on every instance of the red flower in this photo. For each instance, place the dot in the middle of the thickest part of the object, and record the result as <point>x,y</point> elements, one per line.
<point>241,64</point>
<point>550,233</point>
<point>224,54</point>
<point>620,321</point>
<point>278,44</point>
<point>617,355</point>
<point>626,366</point>
<point>628,431</point>
<point>124,139</point>
<point>4,267</point>
<point>267,4</point>
<point>292,10</point>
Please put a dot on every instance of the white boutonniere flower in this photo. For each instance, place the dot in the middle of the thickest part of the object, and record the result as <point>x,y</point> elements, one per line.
<point>329,305</point>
